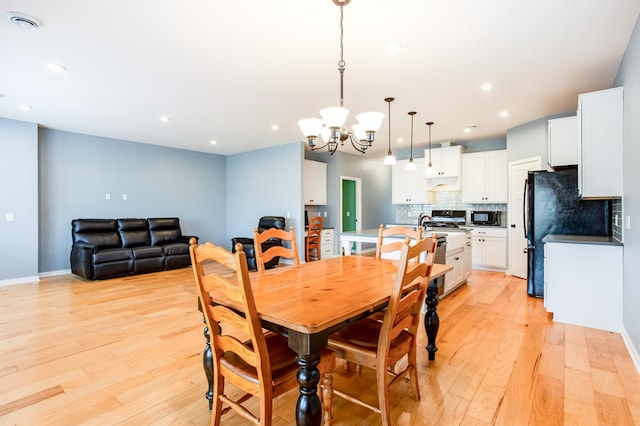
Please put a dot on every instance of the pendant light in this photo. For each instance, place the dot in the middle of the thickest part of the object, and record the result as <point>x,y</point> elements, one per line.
<point>389,160</point>
<point>430,170</point>
<point>411,165</point>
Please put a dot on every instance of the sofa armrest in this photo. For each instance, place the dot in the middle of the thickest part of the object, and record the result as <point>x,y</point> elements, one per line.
<point>185,239</point>
<point>82,259</point>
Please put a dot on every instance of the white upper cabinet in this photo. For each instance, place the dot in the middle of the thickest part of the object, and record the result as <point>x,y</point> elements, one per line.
<point>315,183</point>
<point>484,177</point>
<point>562,142</point>
<point>408,187</point>
<point>445,160</point>
<point>600,134</point>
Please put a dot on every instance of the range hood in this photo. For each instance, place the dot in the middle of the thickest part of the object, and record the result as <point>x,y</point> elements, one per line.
<point>443,184</point>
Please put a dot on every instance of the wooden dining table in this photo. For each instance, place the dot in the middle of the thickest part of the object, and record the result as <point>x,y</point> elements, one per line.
<point>310,302</point>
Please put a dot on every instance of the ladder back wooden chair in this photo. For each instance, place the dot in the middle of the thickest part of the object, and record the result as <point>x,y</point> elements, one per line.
<point>262,365</point>
<point>312,241</point>
<point>381,345</point>
<point>384,250</point>
<point>265,256</point>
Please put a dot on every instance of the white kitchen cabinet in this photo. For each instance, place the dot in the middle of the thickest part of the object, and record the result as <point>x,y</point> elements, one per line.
<point>484,177</point>
<point>489,248</point>
<point>562,141</point>
<point>326,243</point>
<point>584,284</point>
<point>454,277</point>
<point>445,160</point>
<point>599,118</point>
<point>467,258</point>
<point>408,187</point>
<point>315,183</point>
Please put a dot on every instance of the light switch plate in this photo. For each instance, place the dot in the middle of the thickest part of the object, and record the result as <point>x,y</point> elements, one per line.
<point>9,217</point>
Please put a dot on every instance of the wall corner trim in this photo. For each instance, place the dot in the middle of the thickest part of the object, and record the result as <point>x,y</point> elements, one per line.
<point>631,348</point>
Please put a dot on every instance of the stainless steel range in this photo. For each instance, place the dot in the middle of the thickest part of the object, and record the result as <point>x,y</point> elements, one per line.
<point>448,224</point>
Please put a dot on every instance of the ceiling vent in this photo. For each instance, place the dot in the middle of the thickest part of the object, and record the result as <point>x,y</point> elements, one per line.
<point>24,21</point>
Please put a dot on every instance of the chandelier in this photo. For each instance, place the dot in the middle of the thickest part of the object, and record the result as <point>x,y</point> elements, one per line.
<point>331,126</point>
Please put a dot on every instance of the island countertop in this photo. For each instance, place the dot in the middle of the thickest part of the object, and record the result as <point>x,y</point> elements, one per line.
<point>580,239</point>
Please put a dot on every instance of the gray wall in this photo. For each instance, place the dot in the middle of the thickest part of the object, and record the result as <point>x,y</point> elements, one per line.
<point>376,186</point>
<point>629,77</point>
<point>265,182</point>
<point>19,196</point>
<point>527,141</point>
<point>76,171</point>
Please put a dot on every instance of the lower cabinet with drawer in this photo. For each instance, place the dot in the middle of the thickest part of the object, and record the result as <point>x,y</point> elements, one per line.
<point>489,248</point>
<point>326,243</point>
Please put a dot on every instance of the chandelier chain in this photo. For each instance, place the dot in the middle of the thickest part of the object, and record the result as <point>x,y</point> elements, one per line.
<point>341,63</point>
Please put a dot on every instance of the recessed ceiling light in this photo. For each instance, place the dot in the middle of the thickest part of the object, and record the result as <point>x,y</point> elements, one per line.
<point>504,114</point>
<point>467,130</point>
<point>400,140</point>
<point>275,127</point>
<point>24,21</point>
<point>487,86</point>
<point>57,67</point>
<point>393,47</point>
<point>214,142</point>
<point>164,119</point>
<point>25,107</point>
<point>470,127</point>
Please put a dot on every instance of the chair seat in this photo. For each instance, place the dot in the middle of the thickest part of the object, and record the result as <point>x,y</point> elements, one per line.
<point>284,366</point>
<point>364,335</point>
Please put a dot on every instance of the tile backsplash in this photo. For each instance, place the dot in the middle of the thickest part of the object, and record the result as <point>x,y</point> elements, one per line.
<point>616,207</point>
<point>443,200</point>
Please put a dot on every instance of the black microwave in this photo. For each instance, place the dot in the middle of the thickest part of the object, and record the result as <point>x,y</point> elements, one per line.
<point>485,217</point>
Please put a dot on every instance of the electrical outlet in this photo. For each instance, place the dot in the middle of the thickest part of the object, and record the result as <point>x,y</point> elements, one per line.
<point>9,217</point>
<point>325,214</point>
<point>107,196</point>
<point>124,197</point>
<point>628,224</point>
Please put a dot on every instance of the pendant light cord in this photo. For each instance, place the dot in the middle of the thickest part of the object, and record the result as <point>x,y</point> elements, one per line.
<point>341,63</point>
<point>412,113</point>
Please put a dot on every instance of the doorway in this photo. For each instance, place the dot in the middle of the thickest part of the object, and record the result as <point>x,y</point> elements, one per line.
<point>517,242</point>
<point>351,207</point>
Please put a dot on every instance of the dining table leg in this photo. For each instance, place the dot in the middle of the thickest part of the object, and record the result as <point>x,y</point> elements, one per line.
<point>308,347</point>
<point>308,407</point>
<point>431,319</point>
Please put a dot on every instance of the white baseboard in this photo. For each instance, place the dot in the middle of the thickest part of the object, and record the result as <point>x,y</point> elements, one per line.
<point>632,349</point>
<point>55,273</point>
<point>21,280</point>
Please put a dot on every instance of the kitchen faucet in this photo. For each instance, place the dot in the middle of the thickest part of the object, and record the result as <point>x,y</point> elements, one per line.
<point>422,217</point>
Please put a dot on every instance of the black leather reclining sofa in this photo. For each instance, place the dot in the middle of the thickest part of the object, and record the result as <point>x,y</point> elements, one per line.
<point>107,248</point>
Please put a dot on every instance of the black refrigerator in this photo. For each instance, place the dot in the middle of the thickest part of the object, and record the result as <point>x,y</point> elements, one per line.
<point>552,206</point>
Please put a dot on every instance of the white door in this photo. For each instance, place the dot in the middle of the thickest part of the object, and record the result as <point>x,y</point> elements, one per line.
<point>517,242</point>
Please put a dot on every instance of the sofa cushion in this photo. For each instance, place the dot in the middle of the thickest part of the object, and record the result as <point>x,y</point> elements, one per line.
<point>175,249</point>
<point>102,233</point>
<point>112,255</point>
<point>146,252</point>
<point>164,230</point>
<point>134,232</point>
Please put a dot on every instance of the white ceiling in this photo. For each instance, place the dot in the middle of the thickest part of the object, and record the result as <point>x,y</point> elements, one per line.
<point>229,70</point>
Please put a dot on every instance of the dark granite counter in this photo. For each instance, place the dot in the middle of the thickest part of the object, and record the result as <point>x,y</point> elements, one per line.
<point>580,239</point>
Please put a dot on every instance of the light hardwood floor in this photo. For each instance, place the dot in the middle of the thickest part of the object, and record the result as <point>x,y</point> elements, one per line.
<point>128,351</point>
